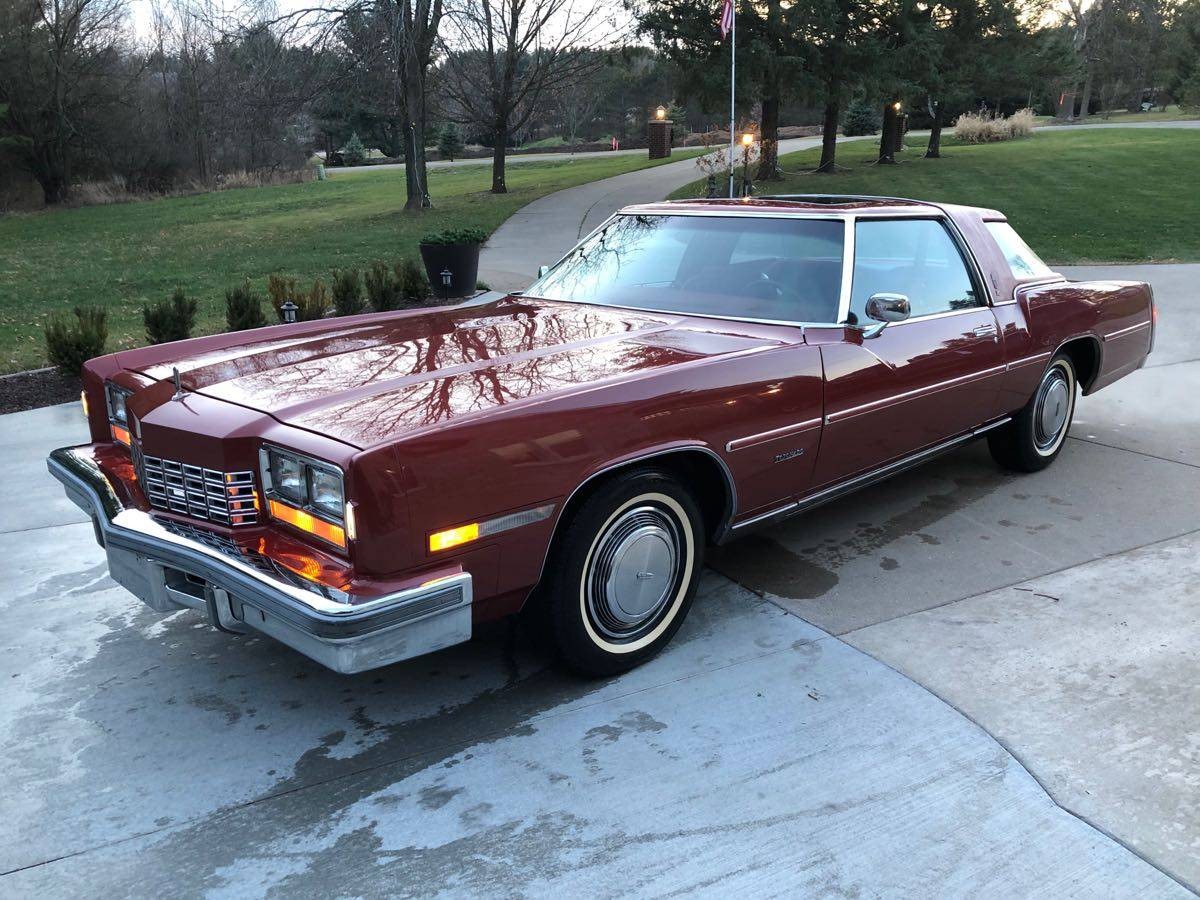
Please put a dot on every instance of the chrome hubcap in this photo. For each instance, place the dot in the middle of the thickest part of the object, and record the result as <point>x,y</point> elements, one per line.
<point>635,572</point>
<point>1053,408</point>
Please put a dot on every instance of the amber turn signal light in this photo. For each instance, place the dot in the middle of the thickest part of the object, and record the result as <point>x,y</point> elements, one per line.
<point>298,518</point>
<point>453,537</point>
<point>83,403</point>
<point>119,434</point>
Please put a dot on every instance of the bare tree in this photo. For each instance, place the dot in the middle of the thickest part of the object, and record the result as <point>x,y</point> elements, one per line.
<point>574,103</point>
<point>399,35</point>
<point>413,27</point>
<point>59,71</point>
<point>503,55</point>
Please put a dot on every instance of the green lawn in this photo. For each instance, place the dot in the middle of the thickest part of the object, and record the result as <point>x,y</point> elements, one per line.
<point>555,141</point>
<point>123,255</point>
<point>1170,114</point>
<point>1076,196</point>
<point>1173,113</point>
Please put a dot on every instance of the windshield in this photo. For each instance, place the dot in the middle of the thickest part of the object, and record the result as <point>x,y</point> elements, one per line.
<point>784,269</point>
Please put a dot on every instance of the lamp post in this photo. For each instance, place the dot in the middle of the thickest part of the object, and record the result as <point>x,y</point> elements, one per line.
<point>901,125</point>
<point>747,147</point>
<point>660,113</point>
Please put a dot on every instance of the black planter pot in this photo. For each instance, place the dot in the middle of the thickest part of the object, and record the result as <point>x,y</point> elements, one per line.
<point>457,264</point>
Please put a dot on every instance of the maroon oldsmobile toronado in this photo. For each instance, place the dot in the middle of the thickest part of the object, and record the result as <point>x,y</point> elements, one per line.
<point>365,489</point>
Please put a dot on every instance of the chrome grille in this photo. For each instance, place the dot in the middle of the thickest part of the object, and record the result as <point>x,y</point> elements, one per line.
<point>227,498</point>
<point>259,561</point>
<point>222,545</point>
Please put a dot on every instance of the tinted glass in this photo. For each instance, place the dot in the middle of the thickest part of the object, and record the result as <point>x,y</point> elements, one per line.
<point>913,257</point>
<point>1023,261</point>
<point>787,269</point>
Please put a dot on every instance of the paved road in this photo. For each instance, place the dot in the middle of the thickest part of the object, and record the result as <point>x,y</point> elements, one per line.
<point>519,158</point>
<point>513,159</point>
<point>820,726</point>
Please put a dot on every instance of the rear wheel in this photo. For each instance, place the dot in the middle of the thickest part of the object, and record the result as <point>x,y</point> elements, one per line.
<point>1035,436</point>
<point>623,573</point>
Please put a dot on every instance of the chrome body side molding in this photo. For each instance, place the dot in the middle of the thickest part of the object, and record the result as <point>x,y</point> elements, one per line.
<point>1121,332</point>
<point>762,437</point>
<point>908,395</point>
<point>866,478</point>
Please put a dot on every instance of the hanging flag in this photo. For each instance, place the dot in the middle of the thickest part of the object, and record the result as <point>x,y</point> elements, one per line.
<point>726,19</point>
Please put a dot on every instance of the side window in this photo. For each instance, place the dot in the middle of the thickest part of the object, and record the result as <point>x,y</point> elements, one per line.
<point>1023,261</point>
<point>914,257</point>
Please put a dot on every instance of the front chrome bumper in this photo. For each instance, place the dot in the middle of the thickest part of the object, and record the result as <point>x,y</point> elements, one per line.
<point>169,570</point>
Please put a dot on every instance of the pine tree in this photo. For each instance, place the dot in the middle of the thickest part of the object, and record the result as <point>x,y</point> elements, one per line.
<point>450,143</point>
<point>354,152</point>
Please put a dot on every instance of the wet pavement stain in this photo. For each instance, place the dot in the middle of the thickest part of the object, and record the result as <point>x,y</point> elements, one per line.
<point>218,704</point>
<point>71,584</point>
<point>437,797</point>
<point>762,563</point>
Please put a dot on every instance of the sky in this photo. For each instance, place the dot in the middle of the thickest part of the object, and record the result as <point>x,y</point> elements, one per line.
<point>142,12</point>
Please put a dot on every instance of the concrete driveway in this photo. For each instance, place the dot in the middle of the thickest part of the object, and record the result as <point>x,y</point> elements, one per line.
<point>960,683</point>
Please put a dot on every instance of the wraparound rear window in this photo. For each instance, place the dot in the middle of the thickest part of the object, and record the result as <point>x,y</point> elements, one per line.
<point>1023,261</point>
<point>782,269</point>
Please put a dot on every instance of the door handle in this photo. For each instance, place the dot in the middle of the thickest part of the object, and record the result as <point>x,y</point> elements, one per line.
<point>984,330</point>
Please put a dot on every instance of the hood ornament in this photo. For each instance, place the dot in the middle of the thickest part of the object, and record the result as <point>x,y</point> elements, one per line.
<point>180,393</point>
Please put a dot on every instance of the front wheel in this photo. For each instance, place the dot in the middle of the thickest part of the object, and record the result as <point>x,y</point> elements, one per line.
<point>623,572</point>
<point>1035,436</point>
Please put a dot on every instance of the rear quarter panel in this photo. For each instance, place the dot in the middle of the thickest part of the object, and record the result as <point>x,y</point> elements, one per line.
<point>1114,315</point>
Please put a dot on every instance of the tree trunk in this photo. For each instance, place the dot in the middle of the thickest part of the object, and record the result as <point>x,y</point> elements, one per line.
<point>416,187</point>
<point>54,189</point>
<point>1066,106</point>
<point>1087,96</point>
<point>934,150</point>
<point>829,135</point>
<point>414,169</point>
<point>50,169</point>
<point>498,155</point>
<point>887,140</point>
<point>768,161</point>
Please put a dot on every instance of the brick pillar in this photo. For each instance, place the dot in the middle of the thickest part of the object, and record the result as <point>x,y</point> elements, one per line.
<point>659,133</point>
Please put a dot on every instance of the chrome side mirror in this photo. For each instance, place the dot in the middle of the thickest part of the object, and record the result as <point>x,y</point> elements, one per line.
<point>542,270</point>
<point>885,309</point>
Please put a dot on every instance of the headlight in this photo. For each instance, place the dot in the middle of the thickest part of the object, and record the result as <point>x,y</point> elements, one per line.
<point>116,398</point>
<point>287,478</point>
<point>326,491</point>
<point>305,493</point>
<point>118,416</point>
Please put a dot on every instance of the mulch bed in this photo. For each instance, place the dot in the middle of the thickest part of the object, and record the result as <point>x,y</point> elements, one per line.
<point>41,387</point>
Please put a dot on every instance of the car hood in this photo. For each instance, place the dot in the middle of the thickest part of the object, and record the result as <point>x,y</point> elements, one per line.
<point>374,378</point>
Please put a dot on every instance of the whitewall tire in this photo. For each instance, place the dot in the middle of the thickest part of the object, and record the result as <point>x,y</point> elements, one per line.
<point>1035,436</point>
<point>623,571</point>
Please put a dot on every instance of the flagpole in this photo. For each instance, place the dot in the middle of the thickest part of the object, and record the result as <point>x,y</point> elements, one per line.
<point>732,87</point>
